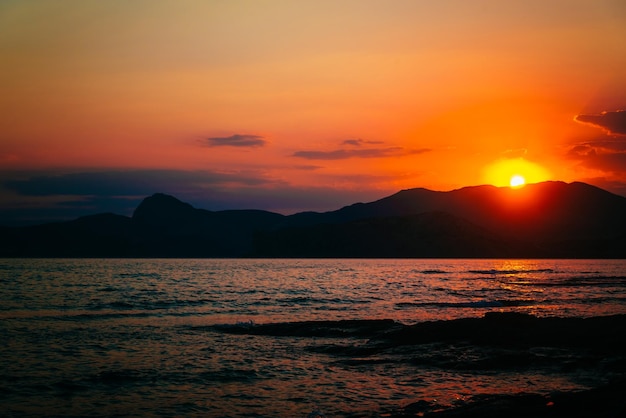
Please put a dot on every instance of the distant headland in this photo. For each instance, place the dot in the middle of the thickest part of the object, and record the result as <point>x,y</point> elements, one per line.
<point>542,220</point>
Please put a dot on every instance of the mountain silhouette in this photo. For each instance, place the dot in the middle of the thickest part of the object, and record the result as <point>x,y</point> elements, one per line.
<point>167,227</point>
<point>429,234</point>
<point>549,219</point>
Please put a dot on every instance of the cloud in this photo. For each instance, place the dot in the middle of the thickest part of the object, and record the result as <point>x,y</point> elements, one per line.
<point>307,167</point>
<point>236,141</point>
<point>32,198</point>
<point>613,163</point>
<point>342,154</point>
<point>582,150</point>
<point>600,146</point>
<point>608,155</point>
<point>126,183</point>
<point>613,122</point>
<point>359,142</point>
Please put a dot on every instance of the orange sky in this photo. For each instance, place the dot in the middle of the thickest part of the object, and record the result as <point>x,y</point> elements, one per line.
<point>289,106</point>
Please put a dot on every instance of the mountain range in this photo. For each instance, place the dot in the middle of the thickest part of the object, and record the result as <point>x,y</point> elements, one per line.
<point>542,220</point>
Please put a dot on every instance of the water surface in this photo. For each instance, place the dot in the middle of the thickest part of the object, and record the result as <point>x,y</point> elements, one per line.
<point>101,337</point>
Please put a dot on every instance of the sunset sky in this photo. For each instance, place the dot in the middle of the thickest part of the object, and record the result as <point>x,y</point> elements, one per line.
<point>302,105</point>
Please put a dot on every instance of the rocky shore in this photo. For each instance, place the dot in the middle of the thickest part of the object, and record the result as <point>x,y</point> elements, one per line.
<point>591,348</point>
<point>607,401</point>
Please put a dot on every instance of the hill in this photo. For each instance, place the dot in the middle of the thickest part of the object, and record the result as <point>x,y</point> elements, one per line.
<point>550,219</point>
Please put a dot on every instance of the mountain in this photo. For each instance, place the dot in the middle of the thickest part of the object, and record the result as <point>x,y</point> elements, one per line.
<point>167,227</point>
<point>425,235</point>
<point>105,235</point>
<point>546,210</point>
<point>550,219</point>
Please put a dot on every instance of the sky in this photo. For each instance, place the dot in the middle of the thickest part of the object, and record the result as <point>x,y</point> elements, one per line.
<point>289,105</point>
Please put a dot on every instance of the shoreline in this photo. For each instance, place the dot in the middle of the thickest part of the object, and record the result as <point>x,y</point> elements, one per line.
<point>591,348</point>
<point>606,401</point>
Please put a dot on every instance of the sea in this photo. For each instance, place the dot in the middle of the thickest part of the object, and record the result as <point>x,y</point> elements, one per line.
<point>143,337</point>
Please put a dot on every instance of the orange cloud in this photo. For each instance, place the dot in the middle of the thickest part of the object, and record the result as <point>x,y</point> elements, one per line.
<point>604,155</point>
<point>342,154</point>
<point>237,141</point>
<point>613,122</point>
<point>359,142</point>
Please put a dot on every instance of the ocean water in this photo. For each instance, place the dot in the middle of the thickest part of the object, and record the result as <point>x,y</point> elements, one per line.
<point>138,338</point>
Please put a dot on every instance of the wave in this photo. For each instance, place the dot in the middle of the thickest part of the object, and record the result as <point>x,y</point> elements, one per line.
<point>138,275</point>
<point>336,328</point>
<point>471,304</point>
<point>434,271</point>
<point>228,375</point>
<point>63,316</point>
<point>148,305</point>
<point>579,281</point>
<point>306,301</point>
<point>116,377</point>
<point>495,272</point>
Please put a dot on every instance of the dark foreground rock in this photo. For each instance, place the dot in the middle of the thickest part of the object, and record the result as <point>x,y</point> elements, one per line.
<point>517,330</point>
<point>608,401</point>
<point>592,349</point>
<point>501,329</point>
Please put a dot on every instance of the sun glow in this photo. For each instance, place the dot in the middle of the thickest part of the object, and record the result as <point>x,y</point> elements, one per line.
<point>514,173</point>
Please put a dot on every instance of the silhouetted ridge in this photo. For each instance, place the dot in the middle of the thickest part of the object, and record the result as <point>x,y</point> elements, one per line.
<point>167,227</point>
<point>161,208</point>
<point>428,234</point>
<point>550,219</point>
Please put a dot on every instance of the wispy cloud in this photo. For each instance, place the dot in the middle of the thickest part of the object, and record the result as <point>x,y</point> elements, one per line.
<point>608,155</point>
<point>236,140</point>
<point>358,142</point>
<point>345,153</point>
<point>63,196</point>
<point>307,167</point>
<point>613,122</point>
<point>127,183</point>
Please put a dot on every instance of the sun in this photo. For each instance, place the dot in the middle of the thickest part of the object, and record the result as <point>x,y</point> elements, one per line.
<point>517,181</point>
<point>514,172</point>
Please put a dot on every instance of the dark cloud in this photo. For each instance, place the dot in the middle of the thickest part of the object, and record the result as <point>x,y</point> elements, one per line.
<point>236,141</point>
<point>609,163</point>
<point>64,209</point>
<point>125,183</point>
<point>582,150</point>
<point>359,142</point>
<point>608,155</point>
<point>608,145</point>
<point>60,196</point>
<point>600,146</point>
<point>307,167</point>
<point>45,197</point>
<point>613,122</point>
<point>342,154</point>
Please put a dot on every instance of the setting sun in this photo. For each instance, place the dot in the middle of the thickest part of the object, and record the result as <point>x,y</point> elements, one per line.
<point>517,181</point>
<point>514,173</point>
